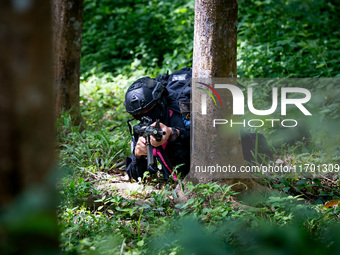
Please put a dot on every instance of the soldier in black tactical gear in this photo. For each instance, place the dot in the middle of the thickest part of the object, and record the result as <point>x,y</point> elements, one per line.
<point>161,104</point>
<point>149,98</point>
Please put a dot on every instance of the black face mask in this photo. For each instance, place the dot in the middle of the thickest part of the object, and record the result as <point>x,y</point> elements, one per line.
<point>138,116</point>
<point>156,113</point>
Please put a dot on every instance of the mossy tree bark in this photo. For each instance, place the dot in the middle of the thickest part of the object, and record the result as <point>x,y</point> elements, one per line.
<point>26,129</point>
<point>67,31</point>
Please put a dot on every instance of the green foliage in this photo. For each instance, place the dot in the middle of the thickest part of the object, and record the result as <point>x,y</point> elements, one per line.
<point>123,36</point>
<point>209,202</point>
<point>101,145</point>
<point>209,219</point>
<point>278,225</point>
<point>275,38</point>
<point>124,40</point>
<point>28,223</point>
<point>100,148</point>
<point>288,38</point>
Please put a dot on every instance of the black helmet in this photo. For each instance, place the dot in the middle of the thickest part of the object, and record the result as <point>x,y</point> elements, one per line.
<point>142,95</point>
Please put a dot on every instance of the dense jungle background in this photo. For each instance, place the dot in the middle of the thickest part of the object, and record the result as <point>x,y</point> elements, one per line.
<point>100,212</point>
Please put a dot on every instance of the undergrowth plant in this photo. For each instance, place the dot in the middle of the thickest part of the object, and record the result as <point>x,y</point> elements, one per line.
<point>125,40</point>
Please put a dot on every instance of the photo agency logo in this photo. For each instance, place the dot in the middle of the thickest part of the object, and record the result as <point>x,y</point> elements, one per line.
<point>290,97</point>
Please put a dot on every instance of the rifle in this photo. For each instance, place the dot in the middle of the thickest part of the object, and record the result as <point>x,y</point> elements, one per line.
<point>144,129</point>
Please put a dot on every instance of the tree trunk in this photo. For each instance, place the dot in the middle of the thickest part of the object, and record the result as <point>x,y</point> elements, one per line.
<point>215,39</point>
<point>26,127</point>
<point>67,31</point>
<point>215,44</point>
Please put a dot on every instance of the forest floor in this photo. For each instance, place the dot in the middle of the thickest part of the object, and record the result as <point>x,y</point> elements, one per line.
<point>102,212</point>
